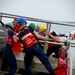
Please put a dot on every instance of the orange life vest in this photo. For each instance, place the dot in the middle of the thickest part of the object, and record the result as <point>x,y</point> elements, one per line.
<point>27,38</point>
<point>9,41</point>
<point>16,45</point>
<point>51,45</point>
<point>16,29</point>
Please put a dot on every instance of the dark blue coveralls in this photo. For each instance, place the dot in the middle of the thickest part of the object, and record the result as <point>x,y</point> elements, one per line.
<point>9,58</point>
<point>54,49</point>
<point>39,53</point>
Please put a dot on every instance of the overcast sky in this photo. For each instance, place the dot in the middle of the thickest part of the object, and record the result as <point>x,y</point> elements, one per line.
<point>56,10</point>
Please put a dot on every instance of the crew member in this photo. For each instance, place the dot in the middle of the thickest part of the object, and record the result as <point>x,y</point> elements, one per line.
<point>51,47</point>
<point>9,58</point>
<point>17,46</point>
<point>28,37</point>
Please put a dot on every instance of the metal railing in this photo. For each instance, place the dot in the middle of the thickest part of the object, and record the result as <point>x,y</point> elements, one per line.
<point>35,19</point>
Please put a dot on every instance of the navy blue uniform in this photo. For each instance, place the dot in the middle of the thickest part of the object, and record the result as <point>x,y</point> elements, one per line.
<point>55,49</point>
<point>9,58</point>
<point>39,53</point>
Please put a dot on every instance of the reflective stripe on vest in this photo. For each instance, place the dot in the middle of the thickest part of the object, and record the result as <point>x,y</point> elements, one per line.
<point>28,39</point>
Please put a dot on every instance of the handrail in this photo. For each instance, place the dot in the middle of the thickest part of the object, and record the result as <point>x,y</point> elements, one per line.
<point>35,19</point>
